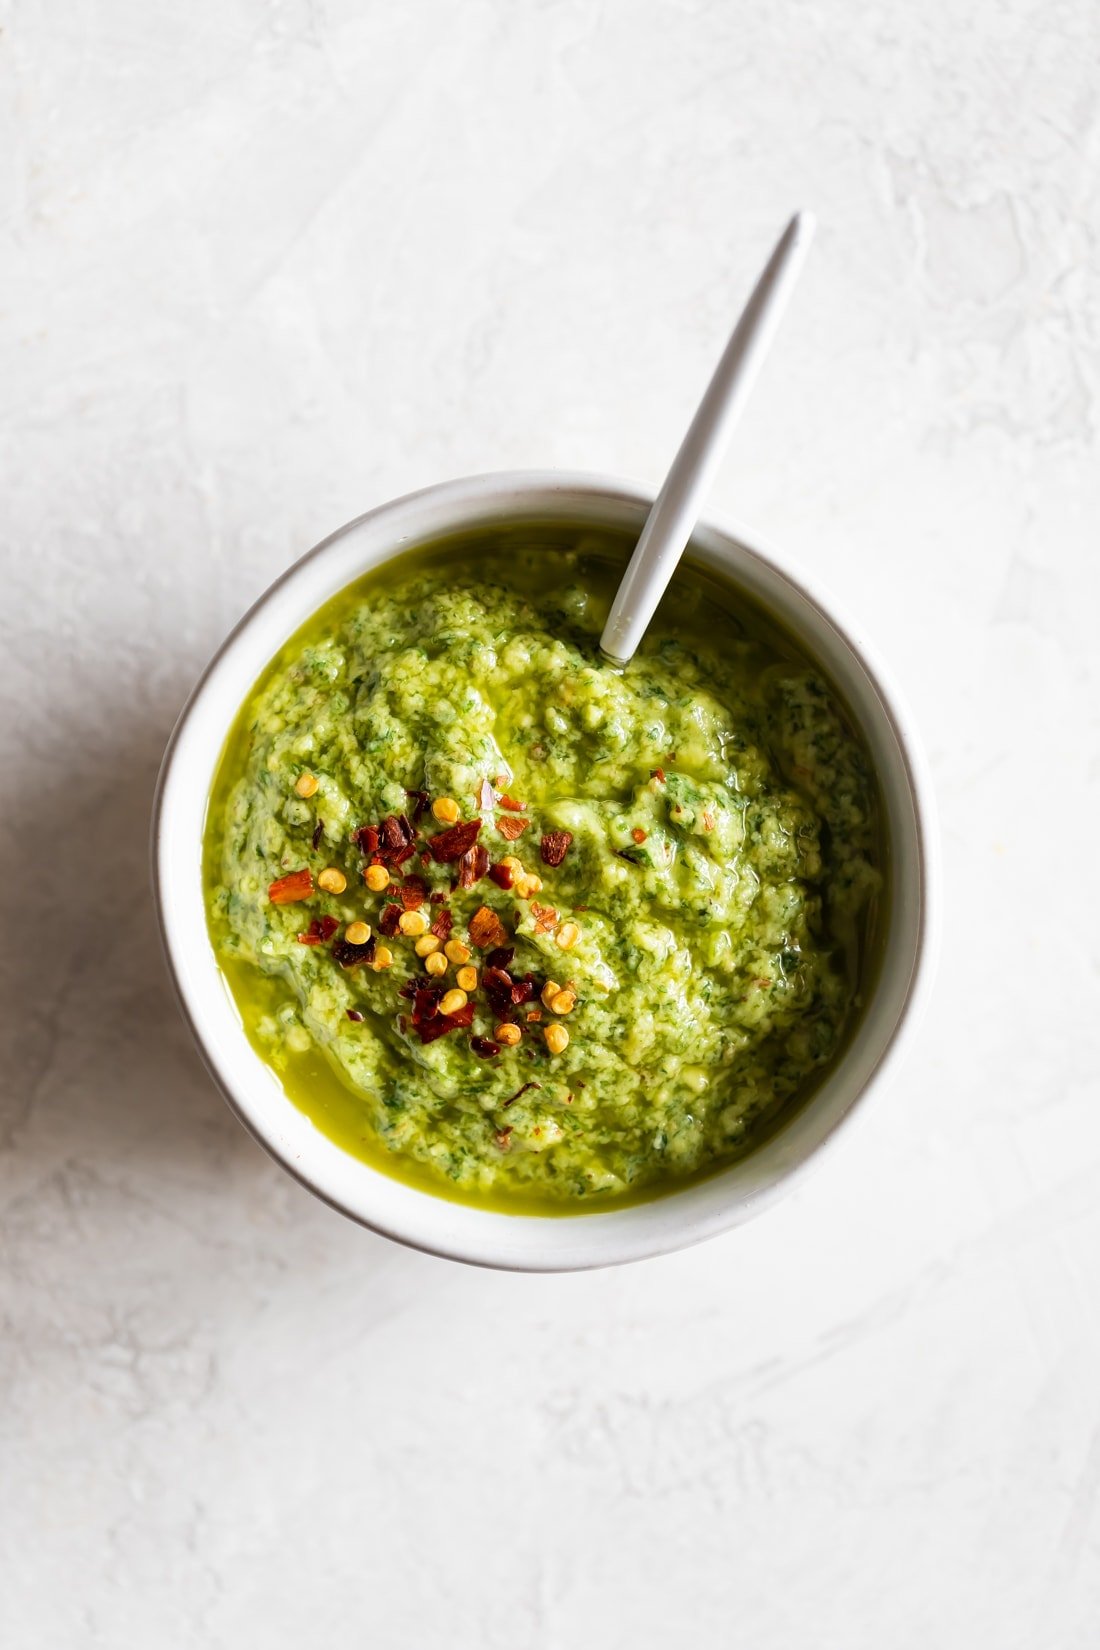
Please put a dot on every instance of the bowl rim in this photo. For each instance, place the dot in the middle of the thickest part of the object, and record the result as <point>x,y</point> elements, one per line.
<point>608,1228</point>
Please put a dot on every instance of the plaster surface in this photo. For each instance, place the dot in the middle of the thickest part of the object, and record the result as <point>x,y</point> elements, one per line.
<point>263,265</point>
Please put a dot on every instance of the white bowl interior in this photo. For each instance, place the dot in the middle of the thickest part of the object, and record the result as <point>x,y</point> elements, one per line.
<point>385,1204</point>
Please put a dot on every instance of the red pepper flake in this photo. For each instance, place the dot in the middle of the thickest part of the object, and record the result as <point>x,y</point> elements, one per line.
<point>393,837</point>
<point>319,931</point>
<point>554,846</point>
<point>501,957</point>
<point>486,929</point>
<point>420,800</point>
<point>290,889</point>
<point>519,1091</point>
<point>473,865</point>
<point>486,796</point>
<point>354,1014</point>
<point>512,805</point>
<point>349,956</point>
<point>435,897</point>
<point>523,990</point>
<point>580,908</point>
<point>638,834</point>
<point>390,843</point>
<point>452,844</point>
<point>427,1021</point>
<point>442,924</point>
<point>441,1024</point>
<point>545,917</point>
<point>510,828</point>
<point>502,875</point>
<point>412,893</point>
<point>535,1015</point>
<point>484,1048</point>
<point>429,1030</point>
<point>389,920</point>
<point>425,1000</point>
<point>318,833</point>
<point>496,983</point>
<point>658,774</point>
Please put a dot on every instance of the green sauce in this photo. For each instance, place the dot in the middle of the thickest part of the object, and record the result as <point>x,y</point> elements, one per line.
<point>723,871</point>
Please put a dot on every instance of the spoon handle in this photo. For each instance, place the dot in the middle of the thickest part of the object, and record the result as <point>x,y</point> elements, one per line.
<point>676,510</point>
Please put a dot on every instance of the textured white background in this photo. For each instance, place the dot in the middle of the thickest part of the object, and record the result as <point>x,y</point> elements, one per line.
<point>263,265</point>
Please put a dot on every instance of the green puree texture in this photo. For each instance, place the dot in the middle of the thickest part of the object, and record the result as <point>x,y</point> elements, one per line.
<point>720,959</point>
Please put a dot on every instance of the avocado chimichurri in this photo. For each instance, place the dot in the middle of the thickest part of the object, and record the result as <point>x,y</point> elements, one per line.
<point>523,928</point>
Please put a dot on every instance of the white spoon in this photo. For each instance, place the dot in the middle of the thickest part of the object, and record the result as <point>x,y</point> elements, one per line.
<point>676,510</point>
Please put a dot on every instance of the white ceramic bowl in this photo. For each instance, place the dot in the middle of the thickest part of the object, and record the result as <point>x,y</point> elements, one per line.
<point>483,1236</point>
